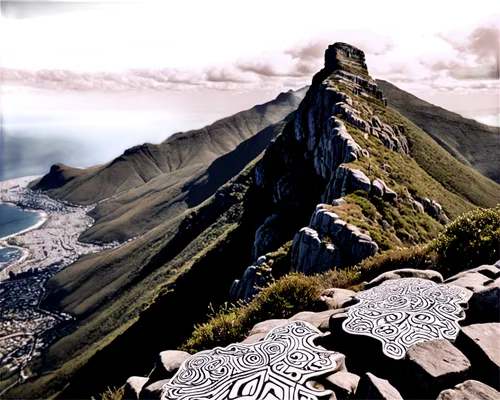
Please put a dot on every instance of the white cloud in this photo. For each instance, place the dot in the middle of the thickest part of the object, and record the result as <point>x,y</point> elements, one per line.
<point>260,47</point>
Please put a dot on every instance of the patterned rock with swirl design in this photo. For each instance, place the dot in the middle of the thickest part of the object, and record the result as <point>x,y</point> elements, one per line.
<point>278,367</point>
<point>403,312</point>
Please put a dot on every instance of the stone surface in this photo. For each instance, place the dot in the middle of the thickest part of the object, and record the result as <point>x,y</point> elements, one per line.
<point>484,305</point>
<point>316,319</point>
<point>284,364</point>
<point>371,387</point>
<point>343,384</point>
<point>266,326</point>
<point>133,387</point>
<point>406,273</point>
<point>167,364</point>
<point>153,391</point>
<point>254,338</point>
<point>490,271</point>
<point>336,298</point>
<point>470,280</point>
<point>481,344</point>
<point>433,366</point>
<point>470,390</point>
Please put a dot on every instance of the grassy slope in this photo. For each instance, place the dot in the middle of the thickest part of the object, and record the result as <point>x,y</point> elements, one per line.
<point>470,142</point>
<point>150,183</point>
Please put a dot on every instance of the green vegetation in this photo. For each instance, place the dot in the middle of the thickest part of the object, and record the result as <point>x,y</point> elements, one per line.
<point>468,141</point>
<point>112,394</point>
<point>472,240</point>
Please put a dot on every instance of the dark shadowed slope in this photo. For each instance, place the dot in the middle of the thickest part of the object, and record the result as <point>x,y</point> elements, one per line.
<point>149,184</point>
<point>469,141</point>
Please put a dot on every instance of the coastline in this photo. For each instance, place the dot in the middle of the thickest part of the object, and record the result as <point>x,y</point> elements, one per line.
<point>38,225</point>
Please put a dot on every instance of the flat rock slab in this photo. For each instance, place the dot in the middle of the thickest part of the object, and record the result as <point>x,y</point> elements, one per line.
<point>336,298</point>
<point>470,390</point>
<point>266,326</point>
<point>406,273</point>
<point>371,387</point>
<point>432,366</point>
<point>489,271</point>
<point>470,280</point>
<point>481,344</point>
<point>402,312</point>
<point>282,365</point>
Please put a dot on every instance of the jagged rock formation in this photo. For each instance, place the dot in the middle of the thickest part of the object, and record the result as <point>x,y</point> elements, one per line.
<point>466,365</point>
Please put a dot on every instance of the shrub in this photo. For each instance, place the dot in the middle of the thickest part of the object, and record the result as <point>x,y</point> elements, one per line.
<point>472,239</point>
<point>112,394</point>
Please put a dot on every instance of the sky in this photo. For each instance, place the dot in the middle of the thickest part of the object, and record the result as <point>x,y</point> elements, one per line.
<point>148,69</point>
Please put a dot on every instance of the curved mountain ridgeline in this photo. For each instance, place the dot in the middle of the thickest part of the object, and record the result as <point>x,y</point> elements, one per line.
<point>469,141</point>
<point>149,183</point>
<point>316,188</point>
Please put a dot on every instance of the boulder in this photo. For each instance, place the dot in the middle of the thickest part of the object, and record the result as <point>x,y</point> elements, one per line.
<point>481,344</point>
<point>406,273</point>
<point>266,326</point>
<point>490,271</point>
<point>316,319</point>
<point>484,305</point>
<point>432,366</point>
<point>133,387</point>
<point>346,180</point>
<point>470,390</point>
<point>167,364</point>
<point>343,384</point>
<point>371,387</point>
<point>254,338</point>
<point>336,298</point>
<point>153,391</point>
<point>470,280</point>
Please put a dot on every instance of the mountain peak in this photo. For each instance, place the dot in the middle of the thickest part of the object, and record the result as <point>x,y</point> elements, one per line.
<point>343,56</point>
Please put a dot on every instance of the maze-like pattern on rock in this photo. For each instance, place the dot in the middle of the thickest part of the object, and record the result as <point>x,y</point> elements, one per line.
<point>278,367</point>
<point>403,312</point>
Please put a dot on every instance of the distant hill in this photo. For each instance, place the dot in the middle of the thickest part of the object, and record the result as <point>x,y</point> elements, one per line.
<point>149,184</point>
<point>469,141</point>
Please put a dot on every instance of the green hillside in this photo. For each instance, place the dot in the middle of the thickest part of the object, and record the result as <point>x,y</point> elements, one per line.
<point>469,141</point>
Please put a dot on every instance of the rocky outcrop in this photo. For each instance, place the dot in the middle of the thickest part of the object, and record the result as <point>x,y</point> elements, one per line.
<point>380,189</point>
<point>435,210</point>
<point>254,279</point>
<point>329,242</point>
<point>347,180</point>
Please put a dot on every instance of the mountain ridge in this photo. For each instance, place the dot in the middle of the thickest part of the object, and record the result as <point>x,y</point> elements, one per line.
<point>342,173</point>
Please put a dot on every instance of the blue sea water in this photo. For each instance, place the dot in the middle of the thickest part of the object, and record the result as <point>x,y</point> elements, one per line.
<point>14,220</point>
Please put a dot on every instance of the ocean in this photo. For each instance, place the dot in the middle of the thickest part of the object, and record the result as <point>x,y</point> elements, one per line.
<point>14,220</point>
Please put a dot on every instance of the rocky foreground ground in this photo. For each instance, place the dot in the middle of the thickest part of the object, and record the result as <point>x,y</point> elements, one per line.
<point>409,335</point>
<point>25,328</point>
